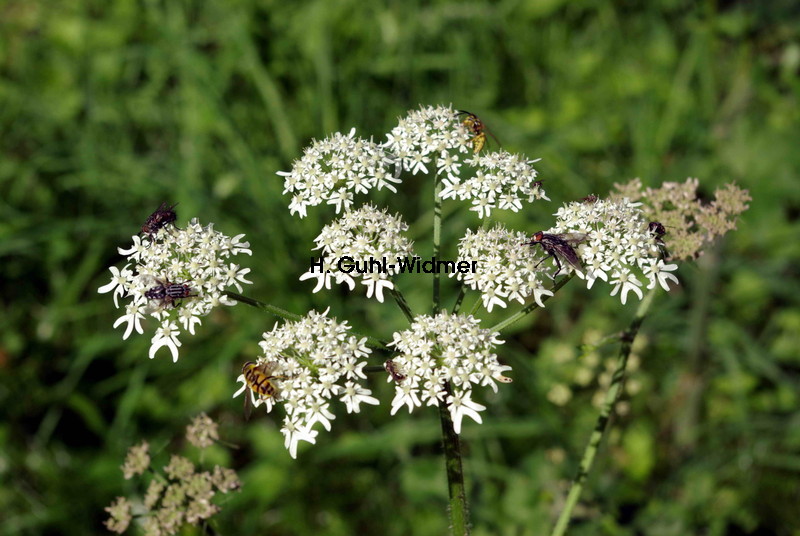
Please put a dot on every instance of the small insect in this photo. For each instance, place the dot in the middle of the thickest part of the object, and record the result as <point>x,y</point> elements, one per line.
<point>159,219</point>
<point>391,368</point>
<point>656,229</point>
<point>260,378</point>
<point>591,198</point>
<point>477,128</point>
<point>168,292</point>
<point>559,245</point>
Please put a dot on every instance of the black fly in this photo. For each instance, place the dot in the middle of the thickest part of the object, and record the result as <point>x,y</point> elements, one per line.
<point>559,245</point>
<point>657,231</point>
<point>391,368</point>
<point>160,218</point>
<point>169,292</point>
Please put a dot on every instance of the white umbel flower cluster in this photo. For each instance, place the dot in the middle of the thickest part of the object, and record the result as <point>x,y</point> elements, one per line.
<point>316,360</point>
<point>442,348</point>
<point>190,267</point>
<point>432,133</point>
<point>435,138</point>
<point>619,248</point>
<point>333,170</point>
<point>352,242</point>
<point>501,181</point>
<point>506,270</point>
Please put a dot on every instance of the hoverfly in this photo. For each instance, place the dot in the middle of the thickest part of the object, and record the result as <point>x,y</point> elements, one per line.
<point>393,371</point>
<point>559,245</point>
<point>159,219</point>
<point>261,381</point>
<point>168,292</point>
<point>477,128</point>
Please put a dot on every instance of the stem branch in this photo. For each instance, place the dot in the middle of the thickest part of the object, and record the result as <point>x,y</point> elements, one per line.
<point>605,413</point>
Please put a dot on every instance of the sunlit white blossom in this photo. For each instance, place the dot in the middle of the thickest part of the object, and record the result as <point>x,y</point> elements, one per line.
<point>506,270</point>
<point>312,362</point>
<point>332,170</point>
<point>442,349</point>
<point>361,244</point>
<point>619,247</point>
<point>197,257</point>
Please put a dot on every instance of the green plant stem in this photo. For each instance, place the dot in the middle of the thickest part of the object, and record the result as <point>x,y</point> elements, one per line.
<point>605,413</point>
<point>459,514</point>
<point>462,291</point>
<point>437,237</point>
<point>402,303</point>
<point>286,315</point>
<point>530,307</point>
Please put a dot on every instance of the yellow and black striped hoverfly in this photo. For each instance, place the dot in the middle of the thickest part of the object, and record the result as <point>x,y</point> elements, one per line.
<point>261,379</point>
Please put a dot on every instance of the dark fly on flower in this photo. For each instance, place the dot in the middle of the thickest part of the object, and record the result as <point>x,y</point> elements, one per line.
<point>657,231</point>
<point>167,292</point>
<point>393,371</point>
<point>559,246</point>
<point>159,219</point>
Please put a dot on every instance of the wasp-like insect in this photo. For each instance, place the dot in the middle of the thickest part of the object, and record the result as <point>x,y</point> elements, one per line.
<point>559,246</point>
<point>260,378</point>
<point>159,219</point>
<point>391,368</point>
<point>589,199</point>
<point>477,128</point>
<point>168,292</point>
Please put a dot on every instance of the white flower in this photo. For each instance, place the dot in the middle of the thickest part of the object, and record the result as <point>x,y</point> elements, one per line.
<point>194,263</point>
<point>311,362</point>
<point>441,349</point>
<point>460,404</point>
<point>332,170</point>
<point>365,244</point>
<point>166,335</point>
<point>658,272</point>
<point>618,245</point>
<point>505,269</point>
<point>119,282</point>
<point>294,432</point>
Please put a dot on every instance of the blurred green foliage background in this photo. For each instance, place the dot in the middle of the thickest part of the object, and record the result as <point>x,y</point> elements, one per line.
<point>109,108</point>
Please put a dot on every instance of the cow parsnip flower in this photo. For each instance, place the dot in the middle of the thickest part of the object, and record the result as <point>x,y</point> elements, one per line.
<point>314,361</point>
<point>362,236</point>
<point>506,270</point>
<point>619,247</point>
<point>332,171</point>
<point>199,257</point>
<point>440,349</point>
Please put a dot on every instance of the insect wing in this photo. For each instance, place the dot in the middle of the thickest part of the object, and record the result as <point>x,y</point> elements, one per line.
<point>573,239</point>
<point>562,245</point>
